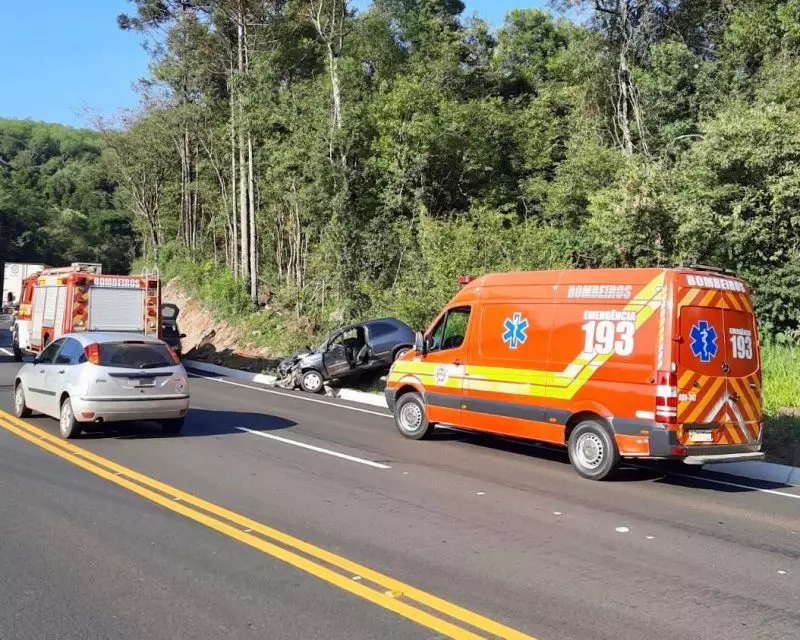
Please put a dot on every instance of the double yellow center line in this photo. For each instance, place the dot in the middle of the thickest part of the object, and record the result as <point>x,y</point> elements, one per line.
<point>419,606</point>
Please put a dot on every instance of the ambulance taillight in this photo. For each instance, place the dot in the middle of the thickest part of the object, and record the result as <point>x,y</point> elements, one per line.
<point>667,397</point>
<point>465,280</point>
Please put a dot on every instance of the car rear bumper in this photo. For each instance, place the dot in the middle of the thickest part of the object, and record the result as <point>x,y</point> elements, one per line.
<point>664,444</point>
<point>94,409</point>
<point>723,457</point>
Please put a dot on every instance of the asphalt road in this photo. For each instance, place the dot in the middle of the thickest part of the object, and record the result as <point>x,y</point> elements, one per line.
<point>506,531</point>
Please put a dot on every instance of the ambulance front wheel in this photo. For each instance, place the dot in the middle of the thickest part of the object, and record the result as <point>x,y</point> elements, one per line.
<point>593,451</point>
<point>411,418</point>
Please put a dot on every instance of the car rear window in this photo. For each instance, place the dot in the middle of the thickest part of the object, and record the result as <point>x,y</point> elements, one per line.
<point>135,355</point>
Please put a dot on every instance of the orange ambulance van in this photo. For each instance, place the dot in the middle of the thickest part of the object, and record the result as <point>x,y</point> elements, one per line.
<point>611,363</point>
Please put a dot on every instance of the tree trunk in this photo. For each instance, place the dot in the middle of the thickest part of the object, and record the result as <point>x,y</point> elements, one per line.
<point>243,214</point>
<point>235,226</point>
<point>252,216</point>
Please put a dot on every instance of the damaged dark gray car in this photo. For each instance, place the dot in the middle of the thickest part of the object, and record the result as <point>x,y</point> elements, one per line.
<point>347,352</point>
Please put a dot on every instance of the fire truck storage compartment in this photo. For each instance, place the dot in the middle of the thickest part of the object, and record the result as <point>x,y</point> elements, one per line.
<point>61,305</point>
<point>39,297</point>
<point>116,309</point>
<point>51,298</point>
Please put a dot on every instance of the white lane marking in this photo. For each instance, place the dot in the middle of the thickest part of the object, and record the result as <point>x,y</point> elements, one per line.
<point>303,445</point>
<point>519,442</point>
<point>6,351</point>
<point>726,483</point>
<point>544,445</point>
<point>292,395</point>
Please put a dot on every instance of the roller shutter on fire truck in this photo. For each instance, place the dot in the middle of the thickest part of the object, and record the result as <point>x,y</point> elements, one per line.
<point>116,309</point>
<point>61,305</point>
<point>39,297</point>
<point>50,306</point>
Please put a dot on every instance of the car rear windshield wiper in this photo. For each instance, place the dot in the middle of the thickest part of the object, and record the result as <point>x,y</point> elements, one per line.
<point>153,365</point>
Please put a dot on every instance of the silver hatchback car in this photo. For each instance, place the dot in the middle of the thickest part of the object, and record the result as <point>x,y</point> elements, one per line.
<point>104,377</point>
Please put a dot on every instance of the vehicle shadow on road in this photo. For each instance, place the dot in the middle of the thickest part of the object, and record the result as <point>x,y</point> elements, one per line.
<point>672,473</point>
<point>199,423</point>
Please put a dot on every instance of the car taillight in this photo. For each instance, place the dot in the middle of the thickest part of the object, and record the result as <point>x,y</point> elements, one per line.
<point>667,397</point>
<point>174,355</point>
<point>92,352</point>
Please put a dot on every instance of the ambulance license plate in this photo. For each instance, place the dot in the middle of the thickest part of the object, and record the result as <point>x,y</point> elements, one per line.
<point>701,436</point>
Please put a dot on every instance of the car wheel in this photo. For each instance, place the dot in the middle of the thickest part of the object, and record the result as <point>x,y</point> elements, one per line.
<point>21,409</point>
<point>67,424</point>
<point>173,426</point>
<point>411,418</point>
<point>312,381</point>
<point>593,451</point>
<point>401,352</point>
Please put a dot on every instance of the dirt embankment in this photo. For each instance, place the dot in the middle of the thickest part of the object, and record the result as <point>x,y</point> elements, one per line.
<point>210,340</point>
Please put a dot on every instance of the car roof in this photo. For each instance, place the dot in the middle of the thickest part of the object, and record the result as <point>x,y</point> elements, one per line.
<point>88,337</point>
<point>397,324</point>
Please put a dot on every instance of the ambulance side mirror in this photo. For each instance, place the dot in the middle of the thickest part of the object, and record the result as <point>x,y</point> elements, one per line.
<point>419,344</point>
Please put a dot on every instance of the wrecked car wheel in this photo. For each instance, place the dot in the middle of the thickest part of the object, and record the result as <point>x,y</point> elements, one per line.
<point>401,352</point>
<point>311,381</point>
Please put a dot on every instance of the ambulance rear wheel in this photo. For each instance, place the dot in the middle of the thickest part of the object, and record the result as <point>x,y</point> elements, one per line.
<point>411,418</point>
<point>593,451</point>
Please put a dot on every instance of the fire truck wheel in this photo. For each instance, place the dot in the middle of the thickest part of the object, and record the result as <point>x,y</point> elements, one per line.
<point>67,424</point>
<point>21,409</point>
<point>411,418</point>
<point>593,451</point>
<point>173,426</point>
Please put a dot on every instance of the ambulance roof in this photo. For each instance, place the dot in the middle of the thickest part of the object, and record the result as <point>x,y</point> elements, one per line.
<point>545,279</point>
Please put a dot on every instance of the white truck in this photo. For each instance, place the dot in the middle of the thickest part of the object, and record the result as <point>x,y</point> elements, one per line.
<point>14,273</point>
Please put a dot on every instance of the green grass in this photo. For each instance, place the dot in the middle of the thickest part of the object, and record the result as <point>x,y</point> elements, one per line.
<point>781,367</point>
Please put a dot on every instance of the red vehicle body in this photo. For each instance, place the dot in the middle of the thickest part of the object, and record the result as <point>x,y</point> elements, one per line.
<point>65,300</point>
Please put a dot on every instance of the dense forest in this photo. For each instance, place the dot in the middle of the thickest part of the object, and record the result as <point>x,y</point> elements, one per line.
<point>57,201</point>
<point>329,159</point>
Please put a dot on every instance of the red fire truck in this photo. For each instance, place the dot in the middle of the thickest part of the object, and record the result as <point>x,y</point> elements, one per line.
<point>80,298</point>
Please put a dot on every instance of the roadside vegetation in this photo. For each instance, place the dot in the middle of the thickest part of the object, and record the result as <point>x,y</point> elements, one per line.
<point>305,163</point>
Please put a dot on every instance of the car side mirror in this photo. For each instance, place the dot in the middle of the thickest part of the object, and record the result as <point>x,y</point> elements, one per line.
<point>419,344</point>
<point>36,360</point>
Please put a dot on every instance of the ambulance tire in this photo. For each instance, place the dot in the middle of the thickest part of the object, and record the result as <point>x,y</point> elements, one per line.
<point>410,417</point>
<point>593,451</point>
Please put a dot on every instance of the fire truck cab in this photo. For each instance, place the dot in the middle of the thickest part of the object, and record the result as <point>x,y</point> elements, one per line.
<point>81,298</point>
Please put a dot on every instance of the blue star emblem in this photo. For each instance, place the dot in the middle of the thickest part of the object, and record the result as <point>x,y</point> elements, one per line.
<point>704,341</point>
<point>515,330</point>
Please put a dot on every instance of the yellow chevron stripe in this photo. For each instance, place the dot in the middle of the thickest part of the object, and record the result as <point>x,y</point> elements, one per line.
<point>537,383</point>
<point>709,396</point>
